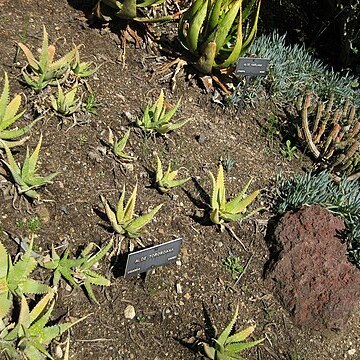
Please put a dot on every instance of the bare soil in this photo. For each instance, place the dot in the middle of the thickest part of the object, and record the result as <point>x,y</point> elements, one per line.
<point>168,325</point>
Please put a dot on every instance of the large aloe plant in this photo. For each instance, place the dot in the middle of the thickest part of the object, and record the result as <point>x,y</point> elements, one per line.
<point>218,32</point>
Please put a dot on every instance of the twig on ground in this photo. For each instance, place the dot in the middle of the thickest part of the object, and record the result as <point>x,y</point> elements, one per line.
<point>245,268</point>
<point>232,233</point>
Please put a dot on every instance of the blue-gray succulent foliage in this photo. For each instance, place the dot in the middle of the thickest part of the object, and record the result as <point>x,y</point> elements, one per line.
<point>293,70</point>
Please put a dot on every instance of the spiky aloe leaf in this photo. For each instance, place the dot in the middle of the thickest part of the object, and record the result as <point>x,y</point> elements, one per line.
<point>159,107</point>
<point>163,129</point>
<point>8,110</point>
<point>235,347</point>
<point>12,165</point>
<point>218,196</point>
<point>94,278</point>
<point>120,211</point>
<point>167,117</point>
<point>240,203</point>
<point>174,183</point>
<point>240,335</point>
<point>226,332</point>
<point>130,206</point>
<point>226,24</point>
<point>112,216</point>
<point>93,259</point>
<point>29,56</point>
<point>159,170</point>
<point>195,25</point>
<point>132,229</point>
<point>209,351</point>
<point>118,146</point>
<point>5,295</point>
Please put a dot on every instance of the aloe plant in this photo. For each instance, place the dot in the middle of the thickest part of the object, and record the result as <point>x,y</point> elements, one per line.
<point>123,220</point>
<point>43,72</point>
<point>218,32</point>
<point>118,146</point>
<point>228,346</point>
<point>62,266</point>
<point>66,103</point>
<point>29,337</point>
<point>128,10</point>
<point>26,177</point>
<point>233,210</point>
<point>156,118</point>
<point>78,271</point>
<point>83,69</point>
<point>166,181</point>
<point>8,116</point>
<point>14,278</point>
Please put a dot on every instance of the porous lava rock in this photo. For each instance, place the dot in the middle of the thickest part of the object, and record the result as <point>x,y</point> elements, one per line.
<point>311,275</point>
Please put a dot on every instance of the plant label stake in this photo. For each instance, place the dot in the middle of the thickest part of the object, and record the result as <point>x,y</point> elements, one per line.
<point>249,67</point>
<point>146,259</point>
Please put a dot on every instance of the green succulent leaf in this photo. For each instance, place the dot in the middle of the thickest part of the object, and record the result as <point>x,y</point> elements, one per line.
<point>135,225</point>
<point>226,332</point>
<point>8,116</point>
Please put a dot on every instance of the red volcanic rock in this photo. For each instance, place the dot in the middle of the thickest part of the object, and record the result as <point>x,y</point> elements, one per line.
<point>312,276</point>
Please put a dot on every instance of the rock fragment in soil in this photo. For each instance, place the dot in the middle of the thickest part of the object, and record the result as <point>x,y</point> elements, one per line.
<point>178,289</point>
<point>129,312</point>
<point>201,138</point>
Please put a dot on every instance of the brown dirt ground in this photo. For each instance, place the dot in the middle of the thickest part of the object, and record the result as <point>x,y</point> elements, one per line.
<point>169,325</point>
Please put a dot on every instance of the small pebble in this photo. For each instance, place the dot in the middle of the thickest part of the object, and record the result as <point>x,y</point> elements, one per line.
<point>178,288</point>
<point>58,352</point>
<point>201,138</point>
<point>44,214</point>
<point>351,352</point>
<point>129,312</point>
